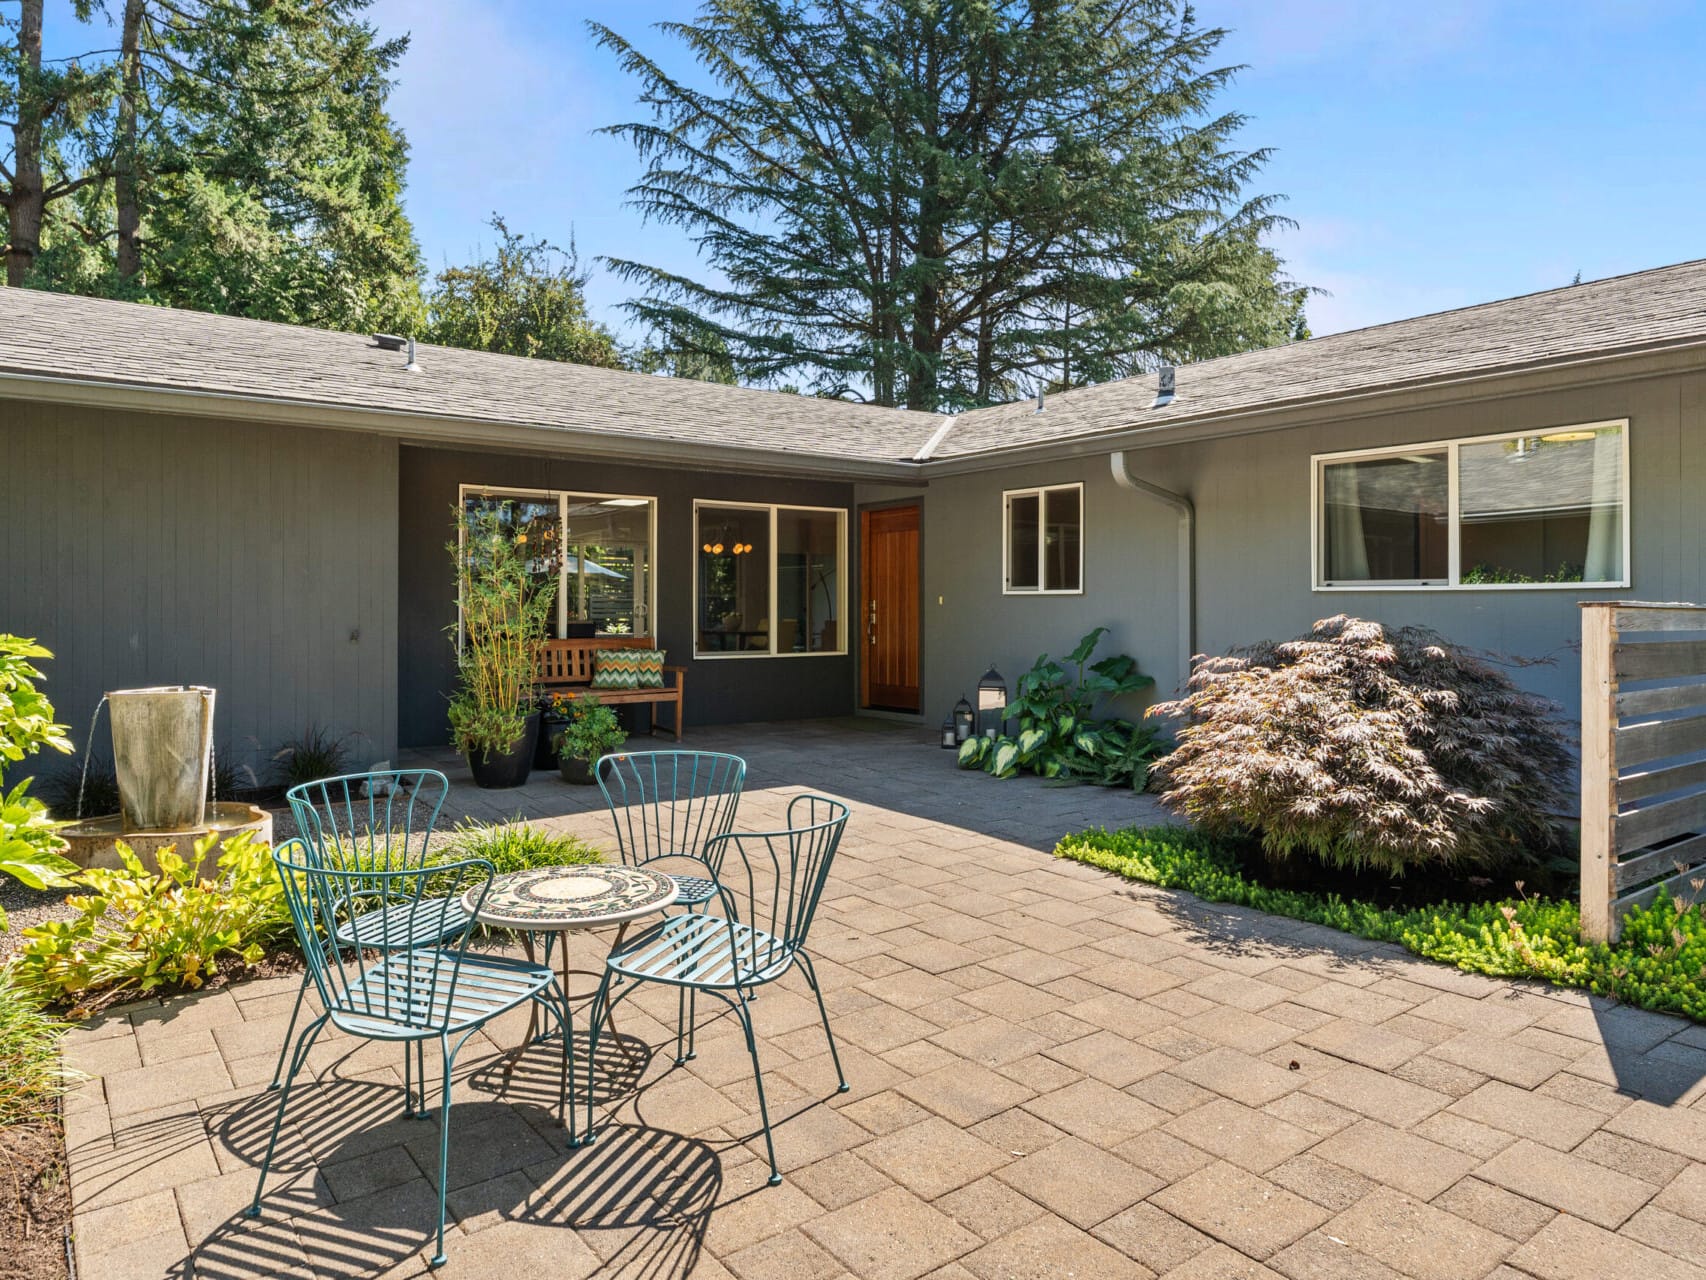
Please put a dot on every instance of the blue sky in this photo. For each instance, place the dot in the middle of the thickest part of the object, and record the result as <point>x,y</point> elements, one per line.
<point>1434,154</point>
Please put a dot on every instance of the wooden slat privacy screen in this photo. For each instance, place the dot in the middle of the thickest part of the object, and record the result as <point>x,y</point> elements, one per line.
<point>1643,757</point>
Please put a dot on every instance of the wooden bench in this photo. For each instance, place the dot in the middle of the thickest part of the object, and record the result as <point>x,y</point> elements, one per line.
<point>567,664</point>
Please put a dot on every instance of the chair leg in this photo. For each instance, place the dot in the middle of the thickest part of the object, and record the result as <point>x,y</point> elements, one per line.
<point>284,1049</point>
<point>594,1018</point>
<point>565,1113</point>
<point>296,1060</point>
<point>758,1075</point>
<point>420,1074</point>
<point>438,1259</point>
<point>811,977</point>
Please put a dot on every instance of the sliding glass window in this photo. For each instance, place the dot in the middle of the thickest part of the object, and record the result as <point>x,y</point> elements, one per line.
<point>1546,508</point>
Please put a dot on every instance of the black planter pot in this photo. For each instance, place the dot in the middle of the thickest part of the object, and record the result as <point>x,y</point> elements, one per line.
<point>545,753</point>
<point>509,768</point>
<point>576,771</point>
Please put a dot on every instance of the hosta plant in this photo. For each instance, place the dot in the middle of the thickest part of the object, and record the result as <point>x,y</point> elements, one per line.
<point>1057,734</point>
<point>1364,747</point>
<point>137,930</point>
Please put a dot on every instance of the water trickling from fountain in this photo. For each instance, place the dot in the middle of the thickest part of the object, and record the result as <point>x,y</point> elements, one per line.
<point>88,746</point>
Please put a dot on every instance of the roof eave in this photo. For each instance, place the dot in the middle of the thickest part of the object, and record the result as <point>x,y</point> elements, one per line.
<point>448,431</point>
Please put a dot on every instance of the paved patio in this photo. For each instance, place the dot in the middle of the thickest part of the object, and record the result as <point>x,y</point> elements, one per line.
<point>1053,1073</point>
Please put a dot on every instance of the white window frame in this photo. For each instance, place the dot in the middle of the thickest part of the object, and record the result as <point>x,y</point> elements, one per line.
<point>563,497</point>
<point>841,559</point>
<point>1040,492</point>
<point>1317,524</point>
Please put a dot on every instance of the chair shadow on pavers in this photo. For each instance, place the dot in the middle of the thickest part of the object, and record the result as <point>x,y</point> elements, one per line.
<point>531,1078</point>
<point>641,1199</point>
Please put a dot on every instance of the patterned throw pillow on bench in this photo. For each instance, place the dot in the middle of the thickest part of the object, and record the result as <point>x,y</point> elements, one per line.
<point>627,669</point>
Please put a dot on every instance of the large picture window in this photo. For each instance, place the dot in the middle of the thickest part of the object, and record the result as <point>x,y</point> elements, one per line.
<point>1536,509</point>
<point>769,579</point>
<point>1043,540</point>
<point>598,546</point>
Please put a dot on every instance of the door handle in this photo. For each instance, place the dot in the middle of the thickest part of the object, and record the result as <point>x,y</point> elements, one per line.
<point>873,631</point>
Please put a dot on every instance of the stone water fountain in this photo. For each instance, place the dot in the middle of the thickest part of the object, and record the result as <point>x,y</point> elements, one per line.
<point>162,752</point>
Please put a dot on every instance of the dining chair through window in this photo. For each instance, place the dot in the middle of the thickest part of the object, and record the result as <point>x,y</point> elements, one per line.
<point>768,888</point>
<point>390,963</point>
<point>379,821</point>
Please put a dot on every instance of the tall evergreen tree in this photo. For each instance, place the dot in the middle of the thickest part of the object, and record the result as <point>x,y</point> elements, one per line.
<point>232,155</point>
<point>527,299</point>
<point>941,203</point>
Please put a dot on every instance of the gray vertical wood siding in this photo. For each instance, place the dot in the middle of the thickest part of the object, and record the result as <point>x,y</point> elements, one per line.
<point>1252,496</point>
<point>147,549</point>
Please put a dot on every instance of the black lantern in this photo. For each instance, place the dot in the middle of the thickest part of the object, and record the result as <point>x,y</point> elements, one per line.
<point>962,720</point>
<point>991,704</point>
<point>949,741</point>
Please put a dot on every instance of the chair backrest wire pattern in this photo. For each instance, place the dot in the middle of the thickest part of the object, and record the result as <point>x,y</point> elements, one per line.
<point>775,881</point>
<point>359,966</point>
<point>670,803</point>
<point>370,824</point>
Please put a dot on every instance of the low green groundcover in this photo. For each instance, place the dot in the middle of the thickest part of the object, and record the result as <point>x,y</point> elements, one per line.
<point>1660,963</point>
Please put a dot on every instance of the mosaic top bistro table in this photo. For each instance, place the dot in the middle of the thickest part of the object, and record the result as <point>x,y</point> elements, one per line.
<point>565,900</point>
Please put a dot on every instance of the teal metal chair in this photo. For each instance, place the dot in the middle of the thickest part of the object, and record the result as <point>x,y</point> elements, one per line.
<point>769,892</point>
<point>377,821</point>
<point>673,804</point>
<point>361,934</point>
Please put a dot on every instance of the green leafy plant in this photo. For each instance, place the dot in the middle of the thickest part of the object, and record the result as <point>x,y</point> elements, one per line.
<point>317,754</point>
<point>1659,963</point>
<point>31,1074</point>
<point>592,731</point>
<point>1058,733</point>
<point>515,846</point>
<point>31,847</point>
<point>1492,575</point>
<point>137,930</point>
<point>1363,747</point>
<point>506,607</point>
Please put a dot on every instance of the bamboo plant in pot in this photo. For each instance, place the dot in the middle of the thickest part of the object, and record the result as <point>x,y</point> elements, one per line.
<point>592,731</point>
<point>507,594</point>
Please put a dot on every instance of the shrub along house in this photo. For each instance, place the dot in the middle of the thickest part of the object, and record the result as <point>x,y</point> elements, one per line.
<point>266,509</point>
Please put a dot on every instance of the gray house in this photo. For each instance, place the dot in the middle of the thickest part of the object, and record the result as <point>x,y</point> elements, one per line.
<point>195,498</point>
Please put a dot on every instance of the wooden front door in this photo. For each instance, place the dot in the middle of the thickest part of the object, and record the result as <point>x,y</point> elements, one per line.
<point>889,607</point>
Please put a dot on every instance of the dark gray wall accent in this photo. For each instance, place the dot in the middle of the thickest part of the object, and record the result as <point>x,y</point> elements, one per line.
<point>1252,496</point>
<point>718,691</point>
<point>145,549</point>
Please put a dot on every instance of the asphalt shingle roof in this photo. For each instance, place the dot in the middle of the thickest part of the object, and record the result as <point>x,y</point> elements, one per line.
<point>1647,310</point>
<point>93,340</point>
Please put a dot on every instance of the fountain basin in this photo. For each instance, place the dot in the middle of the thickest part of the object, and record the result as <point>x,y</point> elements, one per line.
<point>93,842</point>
